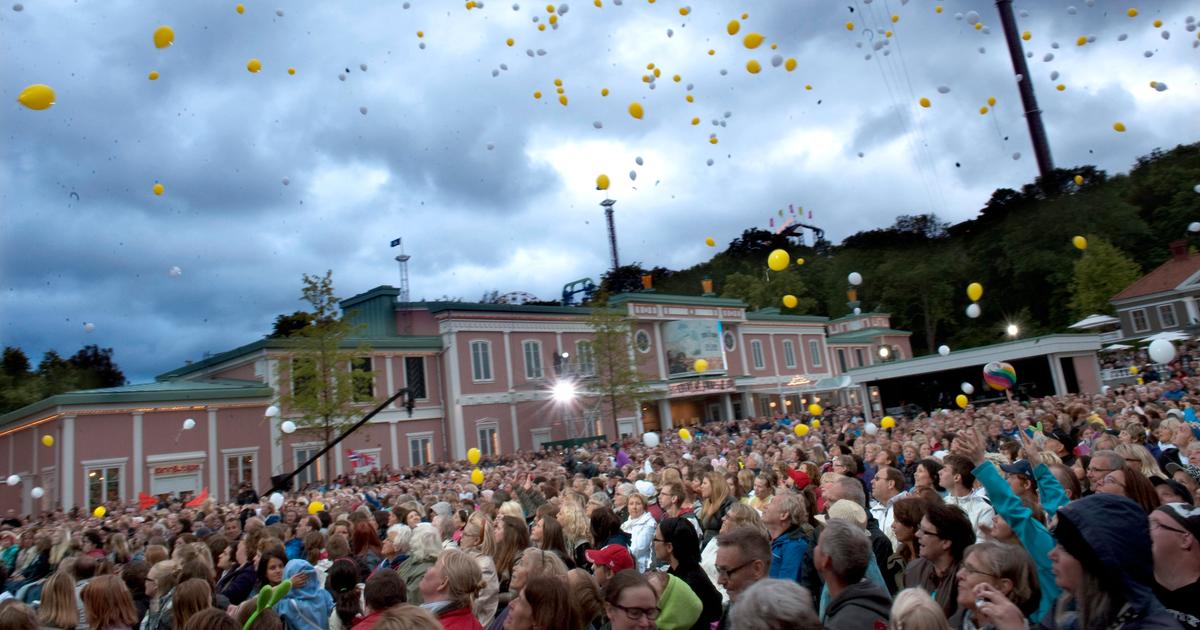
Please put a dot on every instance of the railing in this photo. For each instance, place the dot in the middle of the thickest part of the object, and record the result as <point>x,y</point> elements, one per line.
<point>1123,374</point>
<point>1112,335</point>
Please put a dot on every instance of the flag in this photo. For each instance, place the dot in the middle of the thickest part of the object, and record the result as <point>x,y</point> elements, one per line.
<point>199,500</point>
<point>145,501</point>
<point>395,242</point>
<point>361,462</point>
<point>810,214</point>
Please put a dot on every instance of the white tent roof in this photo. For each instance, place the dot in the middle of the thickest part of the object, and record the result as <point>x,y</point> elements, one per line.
<point>1117,346</point>
<point>1095,321</point>
<point>1171,335</point>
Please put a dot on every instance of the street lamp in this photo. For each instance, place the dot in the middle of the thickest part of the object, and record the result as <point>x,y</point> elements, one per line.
<point>1012,330</point>
<point>884,353</point>
<point>563,392</point>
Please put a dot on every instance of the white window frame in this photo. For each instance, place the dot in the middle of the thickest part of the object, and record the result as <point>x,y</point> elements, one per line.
<point>488,447</point>
<point>539,437</point>
<point>476,376</point>
<point>814,352</point>
<point>637,343</point>
<point>312,473</point>
<point>531,351</point>
<point>227,453</point>
<point>789,354</point>
<point>1170,310</point>
<point>102,465</point>
<point>1133,320</point>
<point>756,354</point>
<point>427,453</point>
<point>585,349</point>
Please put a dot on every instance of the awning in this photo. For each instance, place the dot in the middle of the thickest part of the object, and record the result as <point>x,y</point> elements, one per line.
<point>830,383</point>
<point>1170,335</point>
<point>1116,346</point>
<point>1095,321</point>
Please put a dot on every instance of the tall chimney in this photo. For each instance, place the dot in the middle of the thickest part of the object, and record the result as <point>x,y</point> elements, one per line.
<point>1179,250</point>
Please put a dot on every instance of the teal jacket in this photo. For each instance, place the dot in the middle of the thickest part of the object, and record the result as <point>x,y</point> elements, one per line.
<point>1031,532</point>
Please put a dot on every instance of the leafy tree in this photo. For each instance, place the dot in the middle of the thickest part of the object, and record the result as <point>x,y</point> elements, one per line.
<point>94,368</point>
<point>327,385</point>
<point>1102,272</point>
<point>56,374</point>
<point>15,363</point>
<point>617,383</point>
<point>767,290</point>
<point>287,325</point>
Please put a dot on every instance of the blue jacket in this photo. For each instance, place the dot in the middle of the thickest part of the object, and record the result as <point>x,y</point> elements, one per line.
<point>295,549</point>
<point>792,559</point>
<point>1050,492</point>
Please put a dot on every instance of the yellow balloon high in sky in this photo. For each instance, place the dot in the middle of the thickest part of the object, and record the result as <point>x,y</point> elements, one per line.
<point>37,97</point>
<point>974,291</point>
<point>163,36</point>
<point>778,260</point>
<point>635,110</point>
<point>1079,242</point>
<point>710,242</point>
<point>602,182</point>
<point>158,189</point>
<point>733,27</point>
<point>254,65</point>
<point>752,40</point>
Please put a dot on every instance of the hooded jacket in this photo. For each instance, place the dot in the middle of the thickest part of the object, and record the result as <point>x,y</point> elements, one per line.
<point>680,607</point>
<point>861,605</point>
<point>307,606</point>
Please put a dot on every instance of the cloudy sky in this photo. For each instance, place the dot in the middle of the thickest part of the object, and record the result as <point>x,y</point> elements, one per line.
<point>440,140</point>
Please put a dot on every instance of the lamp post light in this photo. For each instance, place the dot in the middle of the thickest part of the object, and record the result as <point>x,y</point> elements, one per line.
<point>1012,330</point>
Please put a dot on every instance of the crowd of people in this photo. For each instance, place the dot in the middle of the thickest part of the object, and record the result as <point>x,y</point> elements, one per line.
<point>1065,512</point>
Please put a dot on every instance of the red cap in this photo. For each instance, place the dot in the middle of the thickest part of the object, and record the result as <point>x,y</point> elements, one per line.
<point>801,478</point>
<point>615,558</point>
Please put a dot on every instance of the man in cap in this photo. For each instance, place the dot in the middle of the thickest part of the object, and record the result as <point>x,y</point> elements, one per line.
<point>608,561</point>
<point>1186,474</point>
<point>1020,478</point>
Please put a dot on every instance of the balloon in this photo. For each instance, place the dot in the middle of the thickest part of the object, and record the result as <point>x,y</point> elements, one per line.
<point>37,97</point>
<point>100,511</point>
<point>700,365</point>
<point>254,65</point>
<point>1132,12</point>
<point>287,426</point>
<point>961,401</point>
<point>790,64</point>
<point>602,182</point>
<point>816,424</point>
<point>158,189</point>
<point>944,350</point>
<point>473,455</point>
<point>973,310</point>
<point>1194,226</point>
<point>88,327</point>
<point>924,102</point>
<point>778,260</point>
<point>37,493</point>
<point>752,40</point>
<point>870,428</point>
<point>291,71</point>
<point>1079,242</point>
<point>790,301</point>
<point>163,37</point>
<point>685,435</point>
<point>753,67</point>
<point>1162,351</point>
<point>175,271</point>
<point>801,430</point>
<point>650,439</point>
<point>477,477</point>
<point>967,388</point>
<point>1079,180</point>
<point>189,424</point>
<point>240,9</point>
<point>13,480</point>
<point>733,27</point>
<point>635,110</point>
<point>1119,127</point>
<point>153,76</point>
<point>271,411</point>
<point>1133,369</point>
<point>799,261</point>
<point>710,242</point>
<point>974,291</point>
<point>316,506</point>
<point>815,409</point>
<point>999,375</point>
<point>854,278</point>
<point>887,422</point>
<point>48,440</point>
<point>276,500</point>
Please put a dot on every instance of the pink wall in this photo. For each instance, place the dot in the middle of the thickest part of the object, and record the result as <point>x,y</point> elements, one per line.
<point>500,378</point>
<point>516,346</point>
<point>768,366</point>
<point>1087,374</point>
<point>423,323</point>
<point>733,358</point>
<point>243,372</point>
<point>821,353</point>
<point>647,362</point>
<point>244,428</point>
<point>900,341</point>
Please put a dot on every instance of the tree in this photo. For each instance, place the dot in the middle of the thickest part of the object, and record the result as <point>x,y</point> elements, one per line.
<point>287,325</point>
<point>768,290</point>
<point>328,381</point>
<point>94,368</point>
<point>617,383</point>
<point>1102,272</point>
<point>15,363</point>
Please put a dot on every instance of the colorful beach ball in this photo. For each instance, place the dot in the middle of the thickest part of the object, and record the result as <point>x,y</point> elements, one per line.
<point>999,375</point>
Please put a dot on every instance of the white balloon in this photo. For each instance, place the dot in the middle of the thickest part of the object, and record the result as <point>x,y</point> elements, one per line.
<point>1162,351</point>
<point>968,388</point>
<point>37,493</point>
<point>88,327</point>
<point>272,411</point>
<point>287,426</point>
<point>1194,226</point>
<point>650,439</point>
<point>175,272</point>
<point>854,278</point>
<point>857,311</point>
<point>973,310</point>
<point>14,480</point>
<point>276,500</point>
<point>1197,189</point>
<point>944,350</point>
<point>189,424</point>
<point>871,429</point>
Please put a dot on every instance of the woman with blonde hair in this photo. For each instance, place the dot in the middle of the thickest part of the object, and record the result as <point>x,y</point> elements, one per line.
<point>476,541</point>
<point>1138,458</point>
<point>57,609</point>
<point>513,509</point>
<point>160,588</point>
<point>640,527</point>
<point>914,609</point>
<point>108,604</point>
<point>578,530</point>
<point>449,589</point>
<point>715,501</point>
<point>533,563</point>
<point>118,549</point>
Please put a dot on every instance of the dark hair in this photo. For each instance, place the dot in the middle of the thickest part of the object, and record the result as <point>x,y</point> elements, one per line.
<point>961,467</point>
<point>617,584</point>
<point>952,525</point>
<point>553,538</point>
<point>751,543</point>
<point>384,589</point>
<point>217,544</point>
<point>15,615</point>
<point>342,582</point>
<point>933,467</point>
<point>550,602</point>
<point>337,546</point>
<point>685,545</point>
<point>889,473</point>
<point>268,619</point>
<point>196,568</point>
<point>325,519</point>
<point>85,567</point>
<point>1138,488</point>
<point>265,560</point>
<point>192,596</point>
<point>134,576</point>
<point>604,524</point>
<point>314,543</point>
<point>211,619</point>
<point>93,537</point>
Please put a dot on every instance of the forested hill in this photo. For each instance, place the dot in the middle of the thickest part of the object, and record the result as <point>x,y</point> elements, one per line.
<point>1019,247</point>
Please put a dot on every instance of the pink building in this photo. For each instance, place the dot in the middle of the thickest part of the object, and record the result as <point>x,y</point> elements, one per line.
<point>482,375</point>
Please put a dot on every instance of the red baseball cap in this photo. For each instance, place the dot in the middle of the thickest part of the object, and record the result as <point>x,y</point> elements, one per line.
<point>615,558</point>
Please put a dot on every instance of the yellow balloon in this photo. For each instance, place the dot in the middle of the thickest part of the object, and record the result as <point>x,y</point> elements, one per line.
<point>799,261</point>
<point>1026,36</point>
<point>153,75</point>
<point>562,99</point>
<point>816,424</point>
<point>316,506</point>
<point>1079,180</point>
<point>1133,370</point>
<point>961,401</point>
<point>800,429</point>
<point>733,27</point>
<point>974,291</point>
<point>291,71</point>
<point>37,97</point>
<point>473,456</point>
<point>778,260</point>
<point>1119,127</point>
<point>100,511</point>
<point>790,64</point>
<point>240,9</point>
<point>1079,242</point>
<point>815,409</point>
<point>992,101</point>
<point>163,36</point>
<point>710,242</point>
<point>635,110</point>
<point>158,189</point>
<point>887,422</point>
<point>700,365</point>
<point>849,26</point>
<point>924,102</point>
<point>1132,12</point>
<point>602,182</point>
<point>254,65</point>
<point>983,110</point>
<point>753,67</point>
<point>48,440</point>
<point>685,435</point>
<point>477,477</point>
<point>752,40</point>
<point>790,301</point>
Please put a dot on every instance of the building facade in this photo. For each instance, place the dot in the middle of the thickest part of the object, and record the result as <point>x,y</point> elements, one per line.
<point>482,375</point>
<point>1163,300</point>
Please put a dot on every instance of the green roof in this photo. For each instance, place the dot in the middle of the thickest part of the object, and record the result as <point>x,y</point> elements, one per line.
<point>864,335</point>
<point>772,314</point>
<point>665,298</point>
<point>853,316</point>
<point>406,342</point>
<point>160,391</point>
<point>442,307</point>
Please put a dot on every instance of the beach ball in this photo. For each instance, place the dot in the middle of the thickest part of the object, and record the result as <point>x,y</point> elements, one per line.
<point>999,375</point>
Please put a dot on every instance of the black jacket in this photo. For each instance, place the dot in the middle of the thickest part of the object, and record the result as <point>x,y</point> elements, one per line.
<point>695,577</point>
<point>861,605</point>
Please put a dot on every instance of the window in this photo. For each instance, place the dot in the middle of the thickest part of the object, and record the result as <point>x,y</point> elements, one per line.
<point>301,454</point>
<point>414,371</point>
<point>104,485</point>
<point>238,468</point>
<point>533,359</point>
<point>420,449</point>
<point>540,437</point>
<point>641,341</point>
<point>363,379</point>
<point>756,352</point>
<point>303,376</point>
<point>1139,320</point>
<point>789,353</point>
<point>1166,315</point>
<point>730,341</point>
<point>481,361</point>
<point>858,355</point>
<point>841,354</point>
<point>586,357</point>
<point>489,439</point>
<point>814,353</point>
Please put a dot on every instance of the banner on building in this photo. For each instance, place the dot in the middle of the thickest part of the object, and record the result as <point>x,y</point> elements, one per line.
<point>686,340</point>
<point>362,461</point>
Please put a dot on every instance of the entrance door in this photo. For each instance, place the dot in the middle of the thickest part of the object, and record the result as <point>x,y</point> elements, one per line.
<point>626,427</point>
<point>712,412</point>
<point>540,437</point>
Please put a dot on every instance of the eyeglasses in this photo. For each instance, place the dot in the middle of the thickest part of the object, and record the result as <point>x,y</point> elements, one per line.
<point>926,532</point>
<point>1099,471</point>
<point>970,569</point>
<point>728,573</point>
<point>637,613</point>
<point>660,540</point>
<point>1111,479</point>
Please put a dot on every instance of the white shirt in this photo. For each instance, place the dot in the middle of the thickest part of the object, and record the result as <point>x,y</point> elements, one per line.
<point>978,510</point>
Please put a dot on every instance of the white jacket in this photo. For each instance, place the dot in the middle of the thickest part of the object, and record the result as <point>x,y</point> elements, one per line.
<point>979,510</point>
<point>886,515</point>
<point>641,531</point>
